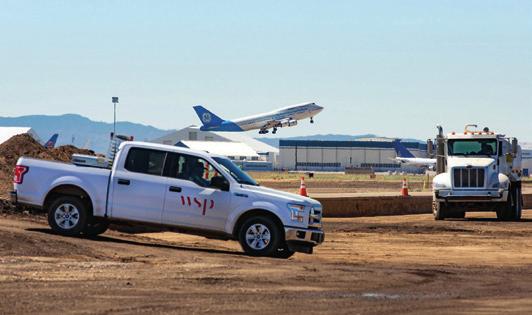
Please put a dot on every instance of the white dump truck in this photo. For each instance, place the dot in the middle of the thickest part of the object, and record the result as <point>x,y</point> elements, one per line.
<point>187,190</point>
<point>478,170</point>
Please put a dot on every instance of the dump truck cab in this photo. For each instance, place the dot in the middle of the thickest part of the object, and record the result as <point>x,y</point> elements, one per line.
<point>478,170</point>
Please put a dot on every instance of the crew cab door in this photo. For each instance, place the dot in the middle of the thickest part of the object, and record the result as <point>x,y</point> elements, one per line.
<point>138,188</point>
<point>190,200</point>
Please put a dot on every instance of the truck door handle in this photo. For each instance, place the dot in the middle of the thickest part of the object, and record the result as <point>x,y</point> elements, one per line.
<point>174,189</point>
<point>123,182</point>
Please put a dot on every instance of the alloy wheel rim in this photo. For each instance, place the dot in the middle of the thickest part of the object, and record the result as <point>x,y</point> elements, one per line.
<point>66,216</point>
<point>258,236</point>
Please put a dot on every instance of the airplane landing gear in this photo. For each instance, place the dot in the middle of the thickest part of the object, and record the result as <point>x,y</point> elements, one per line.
<point>274,131</point>
<point>311,120</point>
<point>263,132</point>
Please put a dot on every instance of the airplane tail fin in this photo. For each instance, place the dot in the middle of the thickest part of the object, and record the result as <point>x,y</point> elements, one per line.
<point>207,118</point>
<point>401,150</point>
<point>50,144</point>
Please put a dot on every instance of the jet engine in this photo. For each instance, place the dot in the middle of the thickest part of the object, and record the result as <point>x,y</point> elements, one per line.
<point>288,123</point>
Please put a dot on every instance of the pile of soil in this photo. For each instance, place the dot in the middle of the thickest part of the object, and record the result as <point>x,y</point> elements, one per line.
<point>25,145</point>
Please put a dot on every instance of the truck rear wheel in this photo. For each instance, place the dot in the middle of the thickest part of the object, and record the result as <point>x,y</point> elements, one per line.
<point>260,236</point>
<point>67,215</point>
<point>438,210</point>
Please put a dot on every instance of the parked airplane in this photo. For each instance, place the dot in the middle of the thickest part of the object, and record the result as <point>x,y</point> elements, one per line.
<point>50,144</point>
<point>406,157</point>
<point>283,117</point>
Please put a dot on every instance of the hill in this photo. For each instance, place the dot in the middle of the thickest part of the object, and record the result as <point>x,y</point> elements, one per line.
<point>81,131</point>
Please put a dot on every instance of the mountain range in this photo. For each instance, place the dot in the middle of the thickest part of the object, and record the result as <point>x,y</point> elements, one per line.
<point>81,131</point>
<point>85,133</point>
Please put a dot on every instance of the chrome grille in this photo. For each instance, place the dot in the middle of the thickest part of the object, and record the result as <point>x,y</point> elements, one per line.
<point>468,177</point>
<point>316,213</point>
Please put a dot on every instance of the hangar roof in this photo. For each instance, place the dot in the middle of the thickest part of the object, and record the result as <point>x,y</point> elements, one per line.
<point>349,144</point>
<point>7,132</point>
<point>184,135</point>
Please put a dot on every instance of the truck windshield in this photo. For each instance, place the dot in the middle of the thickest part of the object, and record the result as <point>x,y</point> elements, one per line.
<point>240,176</point>
<point>467,147</point>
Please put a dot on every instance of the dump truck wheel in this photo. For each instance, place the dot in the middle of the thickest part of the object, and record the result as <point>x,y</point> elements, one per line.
<point>438,210</point>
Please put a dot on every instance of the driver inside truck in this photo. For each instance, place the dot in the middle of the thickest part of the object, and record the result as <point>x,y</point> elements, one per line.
<point>487,149</point>
<point>196,174</point>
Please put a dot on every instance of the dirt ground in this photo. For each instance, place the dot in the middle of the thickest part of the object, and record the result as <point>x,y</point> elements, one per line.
<point>397,264</point>
<point>327,187</point>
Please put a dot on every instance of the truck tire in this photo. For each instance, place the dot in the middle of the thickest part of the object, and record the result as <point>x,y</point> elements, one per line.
<point>519,203</point>
<point>513,208</point>
<point>260,236</point>
<point>95,228</point>
<point>67,215</point>
<point>438,210</point>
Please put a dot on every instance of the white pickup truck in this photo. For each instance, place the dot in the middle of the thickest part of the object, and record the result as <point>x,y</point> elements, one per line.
<point>190,191</point>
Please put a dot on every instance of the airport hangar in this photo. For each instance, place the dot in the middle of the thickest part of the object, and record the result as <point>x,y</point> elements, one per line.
<point>245,151</point>
<point>376,154</point>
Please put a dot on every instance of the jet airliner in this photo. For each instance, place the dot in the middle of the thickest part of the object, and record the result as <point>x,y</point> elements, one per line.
<point>50,144</point>
<point>283,117</point>
<point>406,157</point>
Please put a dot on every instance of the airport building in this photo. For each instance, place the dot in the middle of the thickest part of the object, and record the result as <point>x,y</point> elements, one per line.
<point>7,132</point>
<point>377,154</point>
<point>527,158</point>
<point>246,151</point>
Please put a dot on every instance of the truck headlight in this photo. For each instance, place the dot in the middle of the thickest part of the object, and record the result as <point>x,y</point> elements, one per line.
<point>439,186</point>
<point>297,213</point>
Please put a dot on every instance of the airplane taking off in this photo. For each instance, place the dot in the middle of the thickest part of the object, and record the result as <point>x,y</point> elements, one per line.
<point>283,117</point>
<point>50,144</point>
<point>406,157</point>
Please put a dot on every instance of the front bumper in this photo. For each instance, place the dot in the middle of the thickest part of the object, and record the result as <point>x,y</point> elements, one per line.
<point>13,197</point>
<point>450,195</point>
<point>312,237</point>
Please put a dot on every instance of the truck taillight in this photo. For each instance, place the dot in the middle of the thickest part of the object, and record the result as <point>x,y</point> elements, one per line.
<point>19,172</point>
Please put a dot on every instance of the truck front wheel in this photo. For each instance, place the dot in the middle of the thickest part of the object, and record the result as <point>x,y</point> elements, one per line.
<point>67,215</point>
<point>512,210</point>
<point>438,210</point>
<point>260,236</point>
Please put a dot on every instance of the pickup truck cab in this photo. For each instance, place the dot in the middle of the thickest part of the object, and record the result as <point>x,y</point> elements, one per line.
<point>191,191</point>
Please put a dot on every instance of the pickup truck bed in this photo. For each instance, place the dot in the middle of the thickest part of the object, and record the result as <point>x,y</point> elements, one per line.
<point>45,175</point>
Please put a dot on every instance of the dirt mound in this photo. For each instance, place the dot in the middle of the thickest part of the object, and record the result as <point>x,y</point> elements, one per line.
<point>25,145</point>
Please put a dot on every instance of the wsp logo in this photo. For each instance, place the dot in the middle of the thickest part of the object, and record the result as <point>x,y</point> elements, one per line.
<point>202,205</point>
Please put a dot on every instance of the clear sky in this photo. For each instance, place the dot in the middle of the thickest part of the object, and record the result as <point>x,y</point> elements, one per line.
<point>394,68</point>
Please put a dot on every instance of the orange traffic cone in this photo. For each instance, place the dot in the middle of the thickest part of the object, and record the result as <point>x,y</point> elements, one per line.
<point>404,190</point>
<point>303,188</point>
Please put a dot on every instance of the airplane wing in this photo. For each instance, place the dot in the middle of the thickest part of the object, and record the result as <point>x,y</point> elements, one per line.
<point>270,124</point>
<point>286,122</point>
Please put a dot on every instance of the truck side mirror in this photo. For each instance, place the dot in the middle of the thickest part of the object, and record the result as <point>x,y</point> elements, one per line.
<point>220,182</point>
<point>515,146</point>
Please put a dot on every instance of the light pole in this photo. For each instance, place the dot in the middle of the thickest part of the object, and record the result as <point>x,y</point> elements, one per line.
<point>115,101</point>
